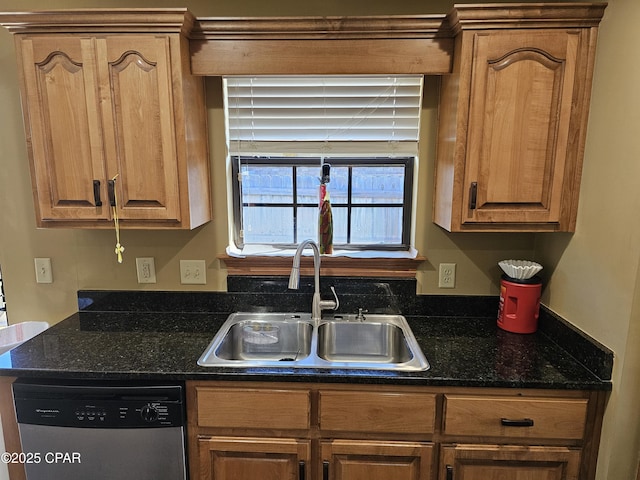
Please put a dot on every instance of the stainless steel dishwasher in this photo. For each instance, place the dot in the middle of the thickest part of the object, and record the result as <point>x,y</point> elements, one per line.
<point>101,432</point>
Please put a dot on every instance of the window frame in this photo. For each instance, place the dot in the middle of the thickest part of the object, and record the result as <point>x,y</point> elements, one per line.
<point>408,161</point>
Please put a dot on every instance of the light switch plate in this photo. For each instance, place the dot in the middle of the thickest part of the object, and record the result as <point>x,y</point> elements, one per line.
<point>193,272</point>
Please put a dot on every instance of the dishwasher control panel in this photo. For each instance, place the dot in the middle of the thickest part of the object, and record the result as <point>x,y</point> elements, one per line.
<point>106,407</point>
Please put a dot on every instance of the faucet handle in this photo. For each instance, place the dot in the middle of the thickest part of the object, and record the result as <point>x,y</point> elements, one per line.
<point>335,295</point>
<point>326,304</point>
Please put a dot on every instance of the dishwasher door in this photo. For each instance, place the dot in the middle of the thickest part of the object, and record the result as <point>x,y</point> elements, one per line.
<point>101,433</point>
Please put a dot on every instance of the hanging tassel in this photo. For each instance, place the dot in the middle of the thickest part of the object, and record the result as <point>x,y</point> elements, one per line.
<point>116,221</point>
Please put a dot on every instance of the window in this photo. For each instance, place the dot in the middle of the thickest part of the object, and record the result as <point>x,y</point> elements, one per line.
<point>370,198</point>
<point>282,129</point>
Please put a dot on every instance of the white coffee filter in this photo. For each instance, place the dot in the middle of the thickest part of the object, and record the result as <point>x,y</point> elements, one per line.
<point>520,269</point>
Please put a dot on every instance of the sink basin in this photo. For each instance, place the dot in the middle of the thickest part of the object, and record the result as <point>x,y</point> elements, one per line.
<point>374,342</point>
<point>249,339</point>
<point>379,342</point>
<point>266,340</point>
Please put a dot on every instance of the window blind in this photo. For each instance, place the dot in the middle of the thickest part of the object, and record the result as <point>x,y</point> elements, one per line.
<point>323,109</point>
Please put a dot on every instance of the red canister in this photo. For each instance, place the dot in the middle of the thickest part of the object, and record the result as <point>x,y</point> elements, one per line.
<point>519,304</point>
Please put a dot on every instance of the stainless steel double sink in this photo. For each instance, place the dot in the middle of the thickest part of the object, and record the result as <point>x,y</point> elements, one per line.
<point>286,340</point>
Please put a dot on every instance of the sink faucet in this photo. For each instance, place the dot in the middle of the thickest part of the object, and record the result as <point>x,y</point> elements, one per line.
<point>360,317</point>
<point>318,304</point>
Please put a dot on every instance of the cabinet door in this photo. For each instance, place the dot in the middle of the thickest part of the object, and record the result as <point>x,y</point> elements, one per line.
<point>497,462</point>
<point>519,120</point>
<point>63,127</point>
<point>240,458</point>
<point>136,87</point>
<point>376,460</point>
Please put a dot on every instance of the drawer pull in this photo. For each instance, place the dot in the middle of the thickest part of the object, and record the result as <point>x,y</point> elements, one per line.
<point>301,471</point>
<point>325,470</point>
<point>449,472</point>
<point>111,190</point>
<point>525,422</point>
<point>96,193</point>
<point>473,196</point>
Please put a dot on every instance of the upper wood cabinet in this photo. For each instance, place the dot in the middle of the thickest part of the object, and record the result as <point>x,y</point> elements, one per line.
<point>114,116</point>
<point>513,117</point>
<point>514,103</point>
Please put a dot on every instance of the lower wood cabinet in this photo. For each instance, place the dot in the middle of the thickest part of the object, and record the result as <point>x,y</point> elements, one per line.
<point>294,431</point>
<point>500,462</point>
<point>376,460</point>
<point>246,458</point>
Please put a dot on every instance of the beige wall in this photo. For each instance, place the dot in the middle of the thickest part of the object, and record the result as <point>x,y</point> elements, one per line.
<point>593,274</point>
<point>595,281</point>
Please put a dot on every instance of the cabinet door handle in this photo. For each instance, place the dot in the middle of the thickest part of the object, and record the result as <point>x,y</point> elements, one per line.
<point>325,470</point>
<point>524,422</point>
<point>96,193</point>
<point>112,192</point>
<point>449,472</point>
<point>301,471</point>
<point>473,195</point>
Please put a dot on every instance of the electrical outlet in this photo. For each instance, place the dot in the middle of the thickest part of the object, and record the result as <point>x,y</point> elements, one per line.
<point>447,275</point>
<point>146,268</point>
<point>43,270</point>
<point>193,272</point>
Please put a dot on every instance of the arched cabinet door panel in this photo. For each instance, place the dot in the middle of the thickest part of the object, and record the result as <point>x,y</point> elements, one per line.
<point>64,130</point>
<point>519,125</point>
<point>135,80</point>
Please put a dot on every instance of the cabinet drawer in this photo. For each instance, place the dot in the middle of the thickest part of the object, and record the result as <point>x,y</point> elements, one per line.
<point>253,408</point>
<point>383,412</point>
<point>562,418</point>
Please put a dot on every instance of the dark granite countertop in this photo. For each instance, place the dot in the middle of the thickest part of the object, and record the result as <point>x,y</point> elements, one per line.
<point>143,336</point>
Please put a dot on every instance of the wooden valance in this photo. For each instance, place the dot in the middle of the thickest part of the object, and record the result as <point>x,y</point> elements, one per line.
<point>327,45</point>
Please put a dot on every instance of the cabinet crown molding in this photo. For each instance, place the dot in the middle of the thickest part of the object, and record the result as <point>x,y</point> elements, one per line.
<point>165,20</point>
<point>519,15</point>
<point>332,27</point>
<point>100,20</point>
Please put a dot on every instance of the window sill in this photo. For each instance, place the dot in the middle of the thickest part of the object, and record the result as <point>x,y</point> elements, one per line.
<point>330,266</point>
